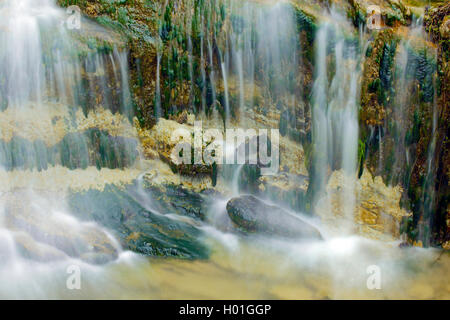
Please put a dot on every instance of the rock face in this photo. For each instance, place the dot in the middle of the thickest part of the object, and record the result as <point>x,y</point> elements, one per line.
<point>158,43</point>
<point>45,235</point>
<point>437,24</point>
<point>252,215</point>
<point>161,141</point>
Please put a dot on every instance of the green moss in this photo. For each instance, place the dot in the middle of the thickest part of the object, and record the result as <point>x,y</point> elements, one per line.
<point>283,125</point>
<point>305,23</point>
<point>249,179</point>
<point>388,165</point>
<point>369,51</point>
<point>357,16</point>
<point>3,103</point>
<point>386,62</point>
<point>214,174</point>
<point>375,85</point>
<point>413,135</point>
<point>361,156</point>
<point>76,150</point>
<point>122,16</point>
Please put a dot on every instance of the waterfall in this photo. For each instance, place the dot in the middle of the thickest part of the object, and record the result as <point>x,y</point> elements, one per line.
<point>405,66</point>
<point>158,87</point>
<point>428,194</point>
<point>265,50</point>
<point>253,58</point>
<point>335,111</point>
<point>428,198</point>
<point>258,46</point>
<point>240,71</point>
<point>65,120</point>
<point>225,86</point>
<point>202,68</point>
<point>212,77</point>
<point>413,96</point>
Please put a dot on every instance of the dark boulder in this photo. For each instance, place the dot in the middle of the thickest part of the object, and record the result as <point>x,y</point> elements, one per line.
<point>252,215</point>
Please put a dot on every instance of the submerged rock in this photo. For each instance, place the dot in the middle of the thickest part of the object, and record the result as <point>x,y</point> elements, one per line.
<point>139,227</point>
<point>46,234</point>
<point>252,215</point>
<point>178,200</point>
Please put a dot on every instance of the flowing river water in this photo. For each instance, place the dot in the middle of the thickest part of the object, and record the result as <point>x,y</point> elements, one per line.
<point>57,140</point>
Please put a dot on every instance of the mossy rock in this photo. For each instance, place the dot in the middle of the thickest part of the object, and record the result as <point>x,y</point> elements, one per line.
<point>252,215</point>
<point>139,228</point>
<point>77,150</point>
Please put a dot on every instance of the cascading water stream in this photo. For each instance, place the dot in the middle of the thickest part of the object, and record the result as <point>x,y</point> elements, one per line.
<point>49,92</point>
<point>158,87</point>
<point>259,44</point>
<point>429,193</point>
<point>406,65</point>
<point>335,113</point>
<point>258,50</point>
<point>414,92</point>
<point>225,85</point>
